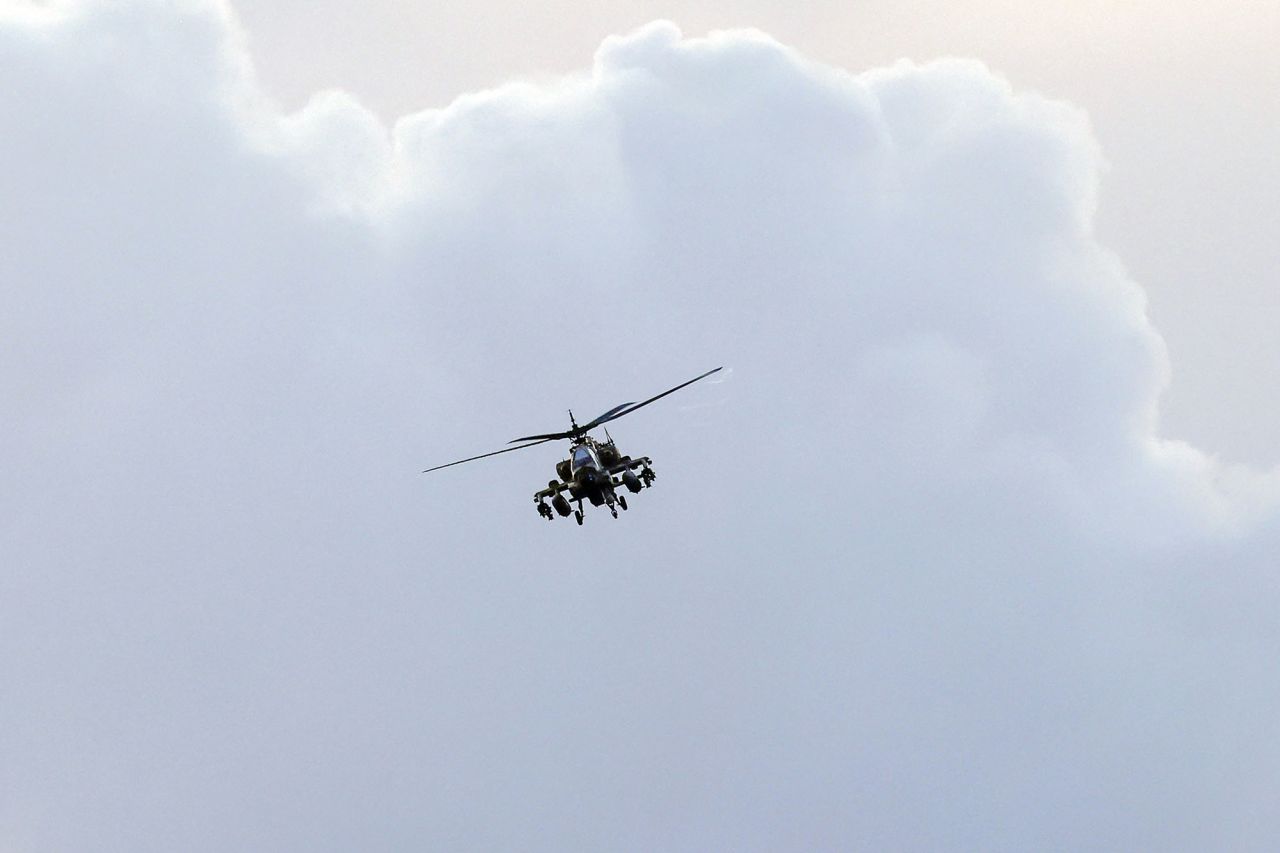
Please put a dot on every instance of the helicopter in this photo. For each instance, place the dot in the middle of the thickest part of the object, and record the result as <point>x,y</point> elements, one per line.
<point>594,469</point>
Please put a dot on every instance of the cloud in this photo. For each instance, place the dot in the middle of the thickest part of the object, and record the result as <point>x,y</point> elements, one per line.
<point>925,576</point>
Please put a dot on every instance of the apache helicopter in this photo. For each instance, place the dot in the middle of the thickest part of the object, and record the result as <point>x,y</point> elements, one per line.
<point>594,468</point>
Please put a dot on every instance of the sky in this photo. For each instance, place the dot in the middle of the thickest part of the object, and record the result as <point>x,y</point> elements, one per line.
<point>1179,95</point>
<point>923,568</point>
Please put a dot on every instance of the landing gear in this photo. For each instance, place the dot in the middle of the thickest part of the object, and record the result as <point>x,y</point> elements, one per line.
<point>577,516</point>
<point>613,509</point>
<point>622,502</point>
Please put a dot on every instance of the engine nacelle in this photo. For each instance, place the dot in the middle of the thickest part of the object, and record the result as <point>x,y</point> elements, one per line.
<point>631,481</point>
<point>561,506</point>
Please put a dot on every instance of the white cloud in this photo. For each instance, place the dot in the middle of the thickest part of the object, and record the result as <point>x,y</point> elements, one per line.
<point>926,578</point>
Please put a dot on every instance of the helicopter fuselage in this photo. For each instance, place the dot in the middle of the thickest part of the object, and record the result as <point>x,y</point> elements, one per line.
<point>592,473</point>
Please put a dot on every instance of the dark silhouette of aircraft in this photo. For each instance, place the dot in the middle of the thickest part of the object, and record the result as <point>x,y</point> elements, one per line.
<point>594,469</point>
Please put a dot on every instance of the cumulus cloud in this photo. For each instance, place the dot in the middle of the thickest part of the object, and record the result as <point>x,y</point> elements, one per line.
<point>924,575</point>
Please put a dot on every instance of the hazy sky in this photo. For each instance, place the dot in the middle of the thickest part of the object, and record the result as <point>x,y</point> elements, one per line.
<point>1181,95</point>
<point>921,570</point>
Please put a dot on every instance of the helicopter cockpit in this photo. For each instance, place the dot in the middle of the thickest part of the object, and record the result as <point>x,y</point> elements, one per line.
<point>583,457</point>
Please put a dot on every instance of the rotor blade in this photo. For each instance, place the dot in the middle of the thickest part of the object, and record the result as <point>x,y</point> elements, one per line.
<point>614,414</point>
<point>484,455</point>
<point>550,436</point>
<point>573,432</point>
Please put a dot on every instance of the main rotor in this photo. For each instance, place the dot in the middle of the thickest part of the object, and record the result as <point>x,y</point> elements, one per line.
<point>577,434</point>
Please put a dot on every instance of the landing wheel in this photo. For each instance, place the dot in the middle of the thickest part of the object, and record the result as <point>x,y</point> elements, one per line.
<point>614,510</point>
<point>577,516</point>
<point>622,502</point>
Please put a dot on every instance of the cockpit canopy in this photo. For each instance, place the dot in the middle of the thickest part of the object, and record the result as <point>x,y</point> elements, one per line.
<point>583,457</point>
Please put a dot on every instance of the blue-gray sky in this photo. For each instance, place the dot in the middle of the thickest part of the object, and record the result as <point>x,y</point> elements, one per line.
<point>921,570</point>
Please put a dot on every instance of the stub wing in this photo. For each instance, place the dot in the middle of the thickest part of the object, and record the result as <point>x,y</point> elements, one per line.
<point>628,464</point>
<point>551,491</point>
<point>614,471</point>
